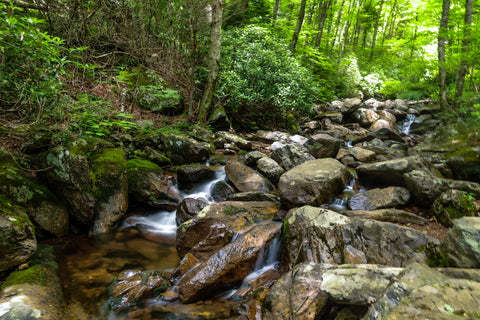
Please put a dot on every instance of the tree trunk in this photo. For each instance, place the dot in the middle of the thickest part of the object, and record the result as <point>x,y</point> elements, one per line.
<point>442,39</point>
<point>275,12</point>
<point>298,28</point>
<point>375,31</point>
<point>322,17</point>
<point>213,61</point>
<point>467,32</point>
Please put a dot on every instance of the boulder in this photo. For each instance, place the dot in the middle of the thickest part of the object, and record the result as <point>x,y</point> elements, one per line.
<point>290,156</point>
<point>218,119</point>
<point>390,172</point>
<point>134,286</point>
<point>375,199</point>
<point>252,157</point>
<point>41,205</point>
<point>426,188</point>
<point>188,209</point>
<point>253,196</point>
<point>272,136</point>
<point>246,179</point>
<point>320,235</point>
<point>297,295</point>
<point>323,145</point>
<point>362,154</point>
<point>229,265</point>
<point>313,182</point>
<point>453,204</point>
<point>148,185</point>
<point>194,173</point>
<point>17,235</point>
<point>465,163</point>
<point>424,293</point>
<point>216,224</point>
<point>461,246</point>
<point>387,215</point>
<point>181,149</point>
<point>365,117</point>
<point>110,188</point>
<point>270,169</point>
<point>221,190</point>
<point>238,141</point>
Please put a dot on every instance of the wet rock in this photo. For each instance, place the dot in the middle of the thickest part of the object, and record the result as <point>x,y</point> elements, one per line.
<point>221,190</point>
<point>312,182</point>
<point>245,178</point>
<point>426,188</point>
<point>270,169</point>
<point>375,199</point>
<point>181,149</point>
<point>239,142</point>
<point>424,293</point>
<point>227,266</point>
<point>297,295</point>
<point>194,173</point>
<point>134,286</point>
<point>390,172</point>
<point>211,310</point>
<point>323,145</point>
<point>216,224</point>
<point>388,215</point>
<point>365,117</point>
<point>33,293</point>
<point>188,209</point>
<point>148,185</point>
<point>461,246</point>
<point>290,156</point>
<point>320,235</point>
<point>451,205</point>
<point>17,235</point>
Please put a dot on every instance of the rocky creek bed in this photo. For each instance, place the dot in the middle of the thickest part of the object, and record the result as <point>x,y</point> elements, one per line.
<point>370,211</point>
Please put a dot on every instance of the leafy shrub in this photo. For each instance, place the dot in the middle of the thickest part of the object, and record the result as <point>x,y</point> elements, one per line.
<point>30,62</point>
<point>260,83</point>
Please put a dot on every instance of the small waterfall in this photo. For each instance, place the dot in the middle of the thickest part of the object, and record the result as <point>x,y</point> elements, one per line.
<point>203,190</point>
<point>338,204</point>
<point>348,143</point>
<point>161,222</point>
<point>407,123</point>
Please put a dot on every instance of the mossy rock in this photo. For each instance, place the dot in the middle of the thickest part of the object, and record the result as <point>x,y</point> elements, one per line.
<point>453,204</point>
<point>465,163</point>
<point>108,168</point>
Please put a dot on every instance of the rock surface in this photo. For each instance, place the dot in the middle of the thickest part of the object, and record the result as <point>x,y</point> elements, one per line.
<point>246,179</point>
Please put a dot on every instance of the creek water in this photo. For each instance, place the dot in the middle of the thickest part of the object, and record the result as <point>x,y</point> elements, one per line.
<point>145,240</point>
<point>407,123</point>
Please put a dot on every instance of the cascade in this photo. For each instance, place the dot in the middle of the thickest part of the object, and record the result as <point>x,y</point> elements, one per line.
<point>407,123</point>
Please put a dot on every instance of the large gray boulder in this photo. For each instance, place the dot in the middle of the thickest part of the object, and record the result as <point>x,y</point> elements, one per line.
<point>246,179</point>
<point>424,293</point>
<point>323,145</point>
<point>426,188</point>
<point>270,169</point>
<point>390,172</point>
<point>290,156</point>
<point>17,235</point>
<point>320,235</point>
<point>461,246</point>
<point>312,182</point>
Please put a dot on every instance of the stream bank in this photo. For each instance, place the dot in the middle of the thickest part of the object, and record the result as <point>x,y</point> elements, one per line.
<point>141,266</point>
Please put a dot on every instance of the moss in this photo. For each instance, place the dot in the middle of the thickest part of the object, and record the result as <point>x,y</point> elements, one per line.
<point>107,167</point>
<point>32,275</point>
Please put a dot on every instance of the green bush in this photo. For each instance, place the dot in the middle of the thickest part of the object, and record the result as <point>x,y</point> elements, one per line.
<point>260,82</point>
<point>30,62</point>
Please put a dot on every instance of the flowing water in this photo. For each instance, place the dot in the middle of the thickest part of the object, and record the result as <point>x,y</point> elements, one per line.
<point>145,240</point>
<point>407,123</point>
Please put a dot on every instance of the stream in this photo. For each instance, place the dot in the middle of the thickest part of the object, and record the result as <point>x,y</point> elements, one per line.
<point>146,240</point>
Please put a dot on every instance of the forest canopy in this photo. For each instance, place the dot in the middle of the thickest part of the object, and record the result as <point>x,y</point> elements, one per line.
<point>275,58</point>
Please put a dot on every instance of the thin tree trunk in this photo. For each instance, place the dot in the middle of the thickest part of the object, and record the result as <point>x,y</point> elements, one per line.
<point>467,32</point>
<point>213,61</point>
<point>275,12</point>
<point>375,31</point>
<point>322,17</point>
<point>298,28</point>
<point>337,24</point>
<point>442,39</point>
